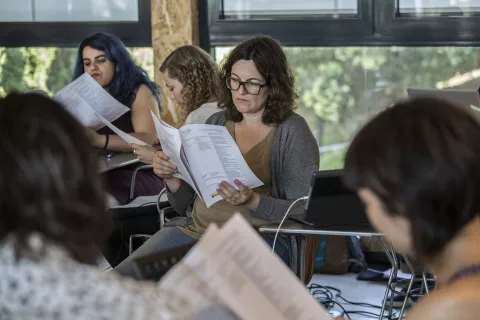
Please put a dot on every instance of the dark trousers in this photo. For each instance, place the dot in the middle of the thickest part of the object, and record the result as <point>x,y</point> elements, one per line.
<point>129,221</point>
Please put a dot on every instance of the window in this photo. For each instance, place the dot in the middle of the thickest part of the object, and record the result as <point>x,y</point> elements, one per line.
<point>332,23</point>
<point>287,9</point>
<point>341,88</point>
<point>65,23</point>
<point>68,10</point>
<point>294,23</point>
<point>19,10</point>
<point>48,68</point>
<point>439,7</point>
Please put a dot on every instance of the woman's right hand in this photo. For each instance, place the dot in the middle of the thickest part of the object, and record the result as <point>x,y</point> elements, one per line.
<point>162,167</point>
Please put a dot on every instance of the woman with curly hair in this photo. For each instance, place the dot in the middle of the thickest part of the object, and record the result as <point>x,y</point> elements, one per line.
<point>191,78</point>
<point>257,94</point>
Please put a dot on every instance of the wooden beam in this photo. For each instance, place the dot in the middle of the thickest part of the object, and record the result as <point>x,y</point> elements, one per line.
<point>174,23</point>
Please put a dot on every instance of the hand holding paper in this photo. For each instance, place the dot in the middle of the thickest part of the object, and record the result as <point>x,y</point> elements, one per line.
<point>125,136</point>
<point>205,155</point>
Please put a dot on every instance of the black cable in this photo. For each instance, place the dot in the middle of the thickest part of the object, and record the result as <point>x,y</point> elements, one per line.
<point>345,312</point>
<point>326,296</point>
<point>359,304</point>
<point>367,313</point>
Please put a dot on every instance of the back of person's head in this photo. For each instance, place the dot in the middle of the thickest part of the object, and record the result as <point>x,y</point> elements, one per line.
<point>421,159</point>
<point>271,61</point>
<point>196,71</point>
<point>128,76</point>
<point>49,184</point>
<point>37,91</point>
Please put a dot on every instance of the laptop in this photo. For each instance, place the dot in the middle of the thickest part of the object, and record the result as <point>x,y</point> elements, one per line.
<point>332,206</point>
<point>469,99</point>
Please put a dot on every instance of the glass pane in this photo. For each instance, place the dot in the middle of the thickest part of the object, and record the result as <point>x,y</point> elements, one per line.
<point>276,9</point>
<point>439,7</point>
<point>68,10</point>
<point>341,88</point>
<point>18,10</point>
<point>48,68</point>
<point>86,10</point>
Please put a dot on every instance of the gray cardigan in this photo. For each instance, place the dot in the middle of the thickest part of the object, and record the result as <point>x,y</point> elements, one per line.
<point>295,156</point>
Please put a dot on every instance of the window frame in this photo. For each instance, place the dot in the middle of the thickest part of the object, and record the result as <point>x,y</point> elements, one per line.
<point>378,24</point>
<point>291,32</point>
<point>427,30</point>
<point>70,34</point>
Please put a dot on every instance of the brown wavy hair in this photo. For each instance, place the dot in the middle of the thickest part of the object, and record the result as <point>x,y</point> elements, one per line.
<point>50,185</point>
<point>272,63</point>
<point>197,73</point>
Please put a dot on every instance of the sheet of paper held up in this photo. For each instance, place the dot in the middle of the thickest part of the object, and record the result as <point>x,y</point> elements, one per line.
<point>200,298</point>
<point>171,143</point>
<point>84,98</point>
<point>236,264</point>
<point>215,157</point>
<point>128,138</point>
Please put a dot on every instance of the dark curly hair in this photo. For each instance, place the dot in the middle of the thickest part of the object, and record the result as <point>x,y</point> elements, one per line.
<point>49,180</point>
<point>197,73</point>
<point>271,62</point>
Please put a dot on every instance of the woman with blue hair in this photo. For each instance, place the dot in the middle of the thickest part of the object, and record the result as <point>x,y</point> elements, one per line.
<point>106,59</point>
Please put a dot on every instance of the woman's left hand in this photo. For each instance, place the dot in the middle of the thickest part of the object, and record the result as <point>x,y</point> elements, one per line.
<point>144,153</point>
<point>233,196</point>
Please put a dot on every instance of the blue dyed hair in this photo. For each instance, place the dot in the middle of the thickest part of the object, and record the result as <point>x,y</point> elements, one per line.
<point>128,76</point>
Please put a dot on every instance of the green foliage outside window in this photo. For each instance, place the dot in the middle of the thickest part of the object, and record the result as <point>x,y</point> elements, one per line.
<point>49,69</point>
<point>340,88</point>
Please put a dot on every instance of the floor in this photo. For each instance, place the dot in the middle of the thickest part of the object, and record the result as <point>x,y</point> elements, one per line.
<point>351,289</point>
<point>354,291</point>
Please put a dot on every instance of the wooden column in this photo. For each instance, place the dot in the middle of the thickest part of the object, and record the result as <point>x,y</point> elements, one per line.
<point>174,23</point>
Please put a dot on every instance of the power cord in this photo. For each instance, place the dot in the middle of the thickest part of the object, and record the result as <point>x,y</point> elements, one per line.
<point>281,222</point>
<point>327,296</point>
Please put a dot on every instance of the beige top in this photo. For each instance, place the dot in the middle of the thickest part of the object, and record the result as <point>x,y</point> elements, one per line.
<point>258,159</point>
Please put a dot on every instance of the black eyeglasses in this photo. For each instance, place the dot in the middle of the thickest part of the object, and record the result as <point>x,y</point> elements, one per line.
<point>250,87</point>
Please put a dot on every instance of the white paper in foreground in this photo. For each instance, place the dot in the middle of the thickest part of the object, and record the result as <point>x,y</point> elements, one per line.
<point>202,300</point>
<point>236,264</point>
<point>84,98</point>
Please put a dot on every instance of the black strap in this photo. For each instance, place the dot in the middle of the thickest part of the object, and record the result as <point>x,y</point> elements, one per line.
<point>465,272</point>
<point>107,138</point>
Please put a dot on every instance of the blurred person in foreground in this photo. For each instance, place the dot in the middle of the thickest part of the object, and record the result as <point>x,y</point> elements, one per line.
<point>52,213</point>
<point>416,167</point>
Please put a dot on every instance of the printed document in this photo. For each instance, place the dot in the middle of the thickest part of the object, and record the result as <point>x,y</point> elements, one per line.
<point>232,270</point>
<point>205,155</point>
<point>128,138</point>
<point>84,98</point>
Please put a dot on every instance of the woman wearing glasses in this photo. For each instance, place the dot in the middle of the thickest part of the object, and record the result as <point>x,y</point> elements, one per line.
<point>257,94</point>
